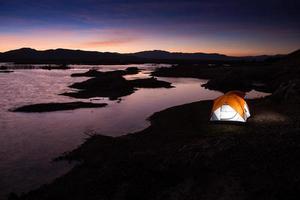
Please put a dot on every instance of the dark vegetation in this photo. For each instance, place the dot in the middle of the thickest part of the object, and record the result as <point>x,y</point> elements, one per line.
<point>112,84</point>
<point>48,107</point>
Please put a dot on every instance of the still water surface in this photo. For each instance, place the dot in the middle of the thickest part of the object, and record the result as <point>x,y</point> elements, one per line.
<point>28,141</point>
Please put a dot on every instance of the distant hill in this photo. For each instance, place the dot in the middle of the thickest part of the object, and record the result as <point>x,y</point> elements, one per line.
<point>292,59</point>
<point>28,55</point>
<point>158,54</point>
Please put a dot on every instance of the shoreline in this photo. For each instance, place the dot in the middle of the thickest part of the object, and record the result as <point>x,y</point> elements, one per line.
<point>179,144</point>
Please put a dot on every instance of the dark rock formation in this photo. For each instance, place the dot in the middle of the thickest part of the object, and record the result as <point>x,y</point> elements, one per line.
<point>6,71</point>
<point>62,67</point>
<point>149,83</point>
<point>112,84</point>
<point>239,75</point>
<point>90,73</point>
<point>191,71</point>
<point>233,80</point>
<point>131,70</point>
<point>48,107</point>
<point>288,91</point>
<point>95,73</point>
<point>3,68</point>
<point>108,85</point>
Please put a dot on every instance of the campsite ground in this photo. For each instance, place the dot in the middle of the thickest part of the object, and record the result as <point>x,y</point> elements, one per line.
<point>184,156</point>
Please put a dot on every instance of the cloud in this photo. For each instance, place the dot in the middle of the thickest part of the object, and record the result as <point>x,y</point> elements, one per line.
<point>57,37</point>
<point>109,42</point>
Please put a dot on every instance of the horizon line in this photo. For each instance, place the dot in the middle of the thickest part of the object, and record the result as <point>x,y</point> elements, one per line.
<point>75,49</point>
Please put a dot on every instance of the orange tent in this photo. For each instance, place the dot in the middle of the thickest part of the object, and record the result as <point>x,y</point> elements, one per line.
<point>230,107</point>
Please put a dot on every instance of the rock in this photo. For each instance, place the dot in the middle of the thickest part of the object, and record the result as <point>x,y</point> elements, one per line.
<point>150,83</point>
<point>62,66</point>
<point>288,91</point>
<point>48,107</point>
<point>96,73</point>
<point>6,71</point>
<point>132,70</point>
<point>113,85</point>
<point>90,73</point>
<point>229,81</point>
<point>191,71</point>
<point>3,68</point>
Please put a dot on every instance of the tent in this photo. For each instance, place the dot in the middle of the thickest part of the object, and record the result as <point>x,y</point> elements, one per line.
<point>230,107</point>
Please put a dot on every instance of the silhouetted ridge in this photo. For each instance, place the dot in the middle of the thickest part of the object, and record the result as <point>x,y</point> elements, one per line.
<point>28,55</point>
<point>292,59</point>
<point>158,54</point>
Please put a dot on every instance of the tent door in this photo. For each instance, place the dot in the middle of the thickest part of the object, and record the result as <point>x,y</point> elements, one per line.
<point>227,113</point>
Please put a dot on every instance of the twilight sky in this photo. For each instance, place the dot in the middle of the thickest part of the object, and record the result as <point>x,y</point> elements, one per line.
<point>233,27</point>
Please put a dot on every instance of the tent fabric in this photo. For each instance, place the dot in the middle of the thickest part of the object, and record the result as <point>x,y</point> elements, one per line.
<point>228,115</point>
<point>230,107</point>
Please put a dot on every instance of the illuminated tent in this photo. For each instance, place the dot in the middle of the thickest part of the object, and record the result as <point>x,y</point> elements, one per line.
<point>230,107</point>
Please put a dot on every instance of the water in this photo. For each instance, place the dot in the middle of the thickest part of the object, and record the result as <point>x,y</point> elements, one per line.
<point>29,141</point>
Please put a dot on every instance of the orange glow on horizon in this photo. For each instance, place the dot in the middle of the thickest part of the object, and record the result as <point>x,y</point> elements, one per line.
<point>126,41</point>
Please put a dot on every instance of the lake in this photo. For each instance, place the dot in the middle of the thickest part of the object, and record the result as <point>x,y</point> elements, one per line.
<point>29,141</point>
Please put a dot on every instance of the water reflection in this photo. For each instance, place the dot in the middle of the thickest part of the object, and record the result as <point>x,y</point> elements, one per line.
<point>28,141</point>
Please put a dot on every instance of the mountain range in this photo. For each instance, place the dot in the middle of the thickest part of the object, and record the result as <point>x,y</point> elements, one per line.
<point>28,55</point>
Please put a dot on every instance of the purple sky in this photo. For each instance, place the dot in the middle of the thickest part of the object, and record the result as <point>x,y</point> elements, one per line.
<point>231,27</point>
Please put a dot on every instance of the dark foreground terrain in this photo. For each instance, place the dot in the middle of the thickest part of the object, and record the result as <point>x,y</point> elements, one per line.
<point>184,156</point>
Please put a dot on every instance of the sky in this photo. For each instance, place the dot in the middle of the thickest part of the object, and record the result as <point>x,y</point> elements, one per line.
<point>231,27</point>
